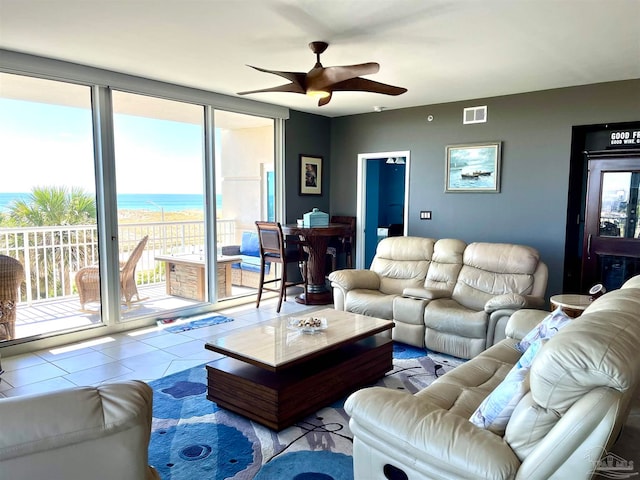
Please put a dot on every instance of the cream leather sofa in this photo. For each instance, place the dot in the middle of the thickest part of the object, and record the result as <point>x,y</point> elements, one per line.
<point>444,294</point>
<point>97,433</point>
<point>581,384</point>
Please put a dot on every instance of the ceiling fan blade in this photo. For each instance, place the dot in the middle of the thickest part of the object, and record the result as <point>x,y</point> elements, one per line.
<point>324,101</point>
<point>366,85</point>
<point>289,87</point>
<point>330,75</point>
<point>298,78</point>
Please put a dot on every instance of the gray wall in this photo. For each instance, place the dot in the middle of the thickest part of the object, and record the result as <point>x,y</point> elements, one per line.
<point>306,134</point>
<point>535,129</point>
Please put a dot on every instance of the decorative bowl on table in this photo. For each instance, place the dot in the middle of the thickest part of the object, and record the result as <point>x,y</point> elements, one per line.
<point>308,324</point>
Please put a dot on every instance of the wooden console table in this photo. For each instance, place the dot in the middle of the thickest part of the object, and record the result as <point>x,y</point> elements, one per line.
<point>185,275</point>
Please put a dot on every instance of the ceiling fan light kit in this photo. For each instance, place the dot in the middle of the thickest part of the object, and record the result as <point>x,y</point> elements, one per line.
<point>320,82</point>
<point>318,93</point>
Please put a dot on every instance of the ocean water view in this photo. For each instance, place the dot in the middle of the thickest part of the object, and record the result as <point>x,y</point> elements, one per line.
<point>168,202</point>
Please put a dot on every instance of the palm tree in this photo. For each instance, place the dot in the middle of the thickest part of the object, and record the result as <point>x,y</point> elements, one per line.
<point>54,206</point>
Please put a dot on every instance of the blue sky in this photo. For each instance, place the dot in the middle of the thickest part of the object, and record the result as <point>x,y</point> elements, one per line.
<point>48,144</point>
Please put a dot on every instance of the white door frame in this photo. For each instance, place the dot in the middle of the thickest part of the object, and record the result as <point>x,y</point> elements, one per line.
<point>361,206</point>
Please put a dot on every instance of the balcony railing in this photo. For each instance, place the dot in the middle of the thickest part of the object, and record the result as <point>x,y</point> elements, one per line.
<point>51,256</point>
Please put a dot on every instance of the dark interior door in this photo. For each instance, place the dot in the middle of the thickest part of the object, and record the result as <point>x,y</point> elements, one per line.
<point>611,251</point>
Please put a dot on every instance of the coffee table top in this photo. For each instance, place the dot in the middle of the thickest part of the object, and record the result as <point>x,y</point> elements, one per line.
<point>273,345</point>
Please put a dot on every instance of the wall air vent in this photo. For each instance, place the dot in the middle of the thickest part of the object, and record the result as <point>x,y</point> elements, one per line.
<point>475,115</point>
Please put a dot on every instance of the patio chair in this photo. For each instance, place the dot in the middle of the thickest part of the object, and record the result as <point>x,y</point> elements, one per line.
<point>11,277</point>
<point>88,279</point>
<point>274,249</point>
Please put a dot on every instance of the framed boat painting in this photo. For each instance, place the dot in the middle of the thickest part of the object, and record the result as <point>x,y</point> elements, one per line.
<point>473,168</point>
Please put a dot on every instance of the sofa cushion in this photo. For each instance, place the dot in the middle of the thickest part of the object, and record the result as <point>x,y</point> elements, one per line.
<point>495,411</point>
<point>250,244</point>
<point>402,262</point>
<point>251,264</point>
<point>370,302</point>
<point>447,315</point>
<point>598,349</point>
<point>462,389</point>
<point>445,265</point>
<point>625,299</point>
<point>545,329</point>
<point>492,269</point>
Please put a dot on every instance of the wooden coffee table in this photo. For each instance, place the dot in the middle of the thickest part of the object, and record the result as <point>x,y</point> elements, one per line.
<point>276,375</point>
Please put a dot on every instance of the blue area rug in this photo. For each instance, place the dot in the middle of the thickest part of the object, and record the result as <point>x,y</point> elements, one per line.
<point>203,322</point>
<point>192,438</point>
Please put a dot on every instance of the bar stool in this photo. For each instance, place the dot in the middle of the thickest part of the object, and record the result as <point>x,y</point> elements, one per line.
<point>274,249</point>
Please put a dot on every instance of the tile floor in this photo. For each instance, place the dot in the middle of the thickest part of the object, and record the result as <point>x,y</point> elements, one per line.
<point>151,353</point>
<point>144,354</point>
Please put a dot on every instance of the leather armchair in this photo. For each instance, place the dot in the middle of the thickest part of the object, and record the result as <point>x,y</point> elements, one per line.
<point>98,433</point>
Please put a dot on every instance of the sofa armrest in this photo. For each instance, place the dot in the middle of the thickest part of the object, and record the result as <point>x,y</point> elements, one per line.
<point>523,321</point>
<point>40,431</point>
<point>350,279</point>
<point>425,293</point>
<point>438,440</point>
<point>512,301</point>
<point>230,250</point>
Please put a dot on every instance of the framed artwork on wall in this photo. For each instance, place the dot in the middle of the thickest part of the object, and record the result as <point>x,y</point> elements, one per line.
<point>310,175</point>
<point>473,167</point>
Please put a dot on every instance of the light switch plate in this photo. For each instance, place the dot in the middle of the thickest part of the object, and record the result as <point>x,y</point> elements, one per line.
<point>425,215</point>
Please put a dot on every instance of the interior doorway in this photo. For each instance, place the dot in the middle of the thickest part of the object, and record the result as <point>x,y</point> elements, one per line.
<point>383,193</point>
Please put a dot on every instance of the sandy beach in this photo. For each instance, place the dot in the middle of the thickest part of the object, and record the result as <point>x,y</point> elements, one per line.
<point>153,216</point>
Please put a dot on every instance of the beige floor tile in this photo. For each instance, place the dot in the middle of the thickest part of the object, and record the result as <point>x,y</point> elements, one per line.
<point>51,385</point>
<point>96,375</point>
<point>33,374</point>
<point>82,362</point>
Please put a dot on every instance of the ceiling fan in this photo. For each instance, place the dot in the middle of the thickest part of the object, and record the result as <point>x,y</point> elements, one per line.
<point>322,81</point>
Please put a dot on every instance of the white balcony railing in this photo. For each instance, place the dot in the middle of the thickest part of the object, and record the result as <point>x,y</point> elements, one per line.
<point>51,256</point>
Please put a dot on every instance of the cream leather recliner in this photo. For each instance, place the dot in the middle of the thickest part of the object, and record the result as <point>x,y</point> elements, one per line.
<point>581,385</point>
<point>97,433</point>
<point>452,297</point>
<point>399,263</point>
<point>494,281</point>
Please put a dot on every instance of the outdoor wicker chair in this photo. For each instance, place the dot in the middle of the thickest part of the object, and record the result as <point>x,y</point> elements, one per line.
<point>11,277</point>
<point>88,279</point>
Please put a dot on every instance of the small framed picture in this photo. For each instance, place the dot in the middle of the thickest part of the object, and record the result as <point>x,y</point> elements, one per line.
<point>473,168</point>
<point>310,175</point>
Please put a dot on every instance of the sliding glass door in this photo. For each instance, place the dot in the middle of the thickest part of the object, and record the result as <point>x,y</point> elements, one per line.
<point>245,186</point>
<point>47,206</point>
<point>159,149</point>
<point>118,206</point>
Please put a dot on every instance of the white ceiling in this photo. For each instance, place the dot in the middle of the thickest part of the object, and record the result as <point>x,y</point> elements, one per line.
<point>440,50</point>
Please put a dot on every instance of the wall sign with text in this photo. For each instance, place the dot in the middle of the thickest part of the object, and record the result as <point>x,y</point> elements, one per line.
<point>624,138</point>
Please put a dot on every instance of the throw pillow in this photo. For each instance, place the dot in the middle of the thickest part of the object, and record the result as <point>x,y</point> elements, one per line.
<point>250,244</point>
<point>545,329</point>
<point>495,411</point>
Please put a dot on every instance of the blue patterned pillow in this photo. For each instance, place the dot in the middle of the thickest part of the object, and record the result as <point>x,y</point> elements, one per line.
<point>545,329</point>
<point>495,411</point>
